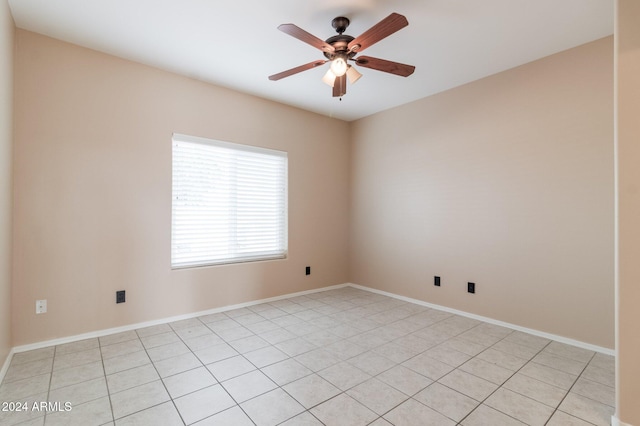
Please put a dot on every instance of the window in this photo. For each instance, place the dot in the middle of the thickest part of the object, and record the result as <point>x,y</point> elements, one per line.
<point>229,203</point>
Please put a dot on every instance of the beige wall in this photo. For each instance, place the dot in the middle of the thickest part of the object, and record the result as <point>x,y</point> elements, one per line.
<point>506,182</point>
<point>93,191</point>
<point>628,172</point>
<point>6,141</point>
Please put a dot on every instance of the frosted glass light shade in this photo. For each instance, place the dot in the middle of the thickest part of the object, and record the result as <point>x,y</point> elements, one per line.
<point>339,66</point>
<point>329,78</point>
<point>353,75</point>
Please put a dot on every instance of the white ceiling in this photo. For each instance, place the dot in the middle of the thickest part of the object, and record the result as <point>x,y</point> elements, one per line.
<point>236,44</point>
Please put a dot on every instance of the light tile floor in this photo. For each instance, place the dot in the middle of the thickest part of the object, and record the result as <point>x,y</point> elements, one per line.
<point>338,357</point>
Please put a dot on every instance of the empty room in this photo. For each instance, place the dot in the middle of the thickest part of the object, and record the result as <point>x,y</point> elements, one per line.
<point>319,213</point>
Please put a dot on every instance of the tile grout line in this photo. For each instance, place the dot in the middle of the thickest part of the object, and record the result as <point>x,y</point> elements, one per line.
<point>500,386</point>
<point>455,367</point>
<point>106,382</point>
<point>381,416</point>
<point>217,381</point>
<point>161,381</point>
<point>308,410</point>
<point>215,378</point>
<point>572,385</point>
<point>281,387</point>
<point>53,361</point>
<point>462,332</point>
<point>361,307</point>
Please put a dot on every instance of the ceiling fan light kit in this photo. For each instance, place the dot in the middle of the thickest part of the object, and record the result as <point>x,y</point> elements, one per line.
<point>353,75</point>
<point>339,65</point>
<point>342,48</point>
<point>329,78</point>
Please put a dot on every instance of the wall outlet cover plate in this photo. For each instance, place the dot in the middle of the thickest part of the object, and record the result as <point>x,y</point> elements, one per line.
<point>41,306</point>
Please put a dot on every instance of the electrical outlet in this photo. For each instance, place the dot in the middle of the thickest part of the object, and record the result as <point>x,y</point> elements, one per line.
<point>307,270</point>
<point>471,287</point>
<point>41,306</point>
<point>436,281</point>
<point>120,296</point>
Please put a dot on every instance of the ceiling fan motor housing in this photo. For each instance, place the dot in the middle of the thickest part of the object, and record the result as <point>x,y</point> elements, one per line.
<point>341,41</point>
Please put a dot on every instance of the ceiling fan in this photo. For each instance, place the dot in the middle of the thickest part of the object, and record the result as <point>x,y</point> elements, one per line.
<point>342,48</point>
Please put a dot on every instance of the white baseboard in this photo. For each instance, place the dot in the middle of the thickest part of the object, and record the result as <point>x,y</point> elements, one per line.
<point>5,366</point>
<point>550,336</point>
<point>616,422</point>
<point>129,327</point>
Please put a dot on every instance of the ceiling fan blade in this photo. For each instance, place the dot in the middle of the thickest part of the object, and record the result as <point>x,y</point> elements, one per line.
<point>382,29</point>
<point>296,70</point>
<point>385,66</point>
<point>302,35</point>
<point>340,86</point>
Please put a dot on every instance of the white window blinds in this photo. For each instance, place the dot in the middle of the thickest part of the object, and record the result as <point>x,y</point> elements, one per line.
<point>229,203</point>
